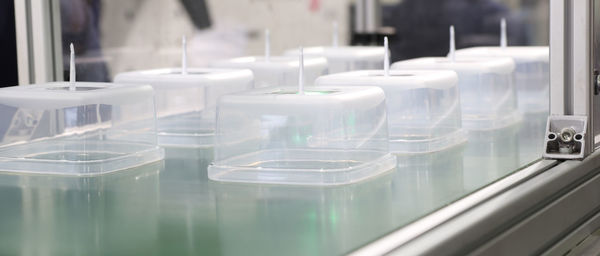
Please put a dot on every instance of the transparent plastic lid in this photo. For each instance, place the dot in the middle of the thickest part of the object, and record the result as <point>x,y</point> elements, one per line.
<point>346,58</point>
<point>277,70</point>
<point>316,136</point>
<point>77,128</point>
<point>186,103</point>
<point>532,73</point>
<point>423,106</point>
<point>487,94</point>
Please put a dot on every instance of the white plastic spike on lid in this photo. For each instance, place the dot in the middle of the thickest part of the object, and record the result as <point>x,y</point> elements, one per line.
<point>184,56</point>
<point>452,53</point>
<point>72,75</point>
<point>324,136</point>
<point>76,128</point>
<point>186,103</point>
<point>386,57</point>
<point>301,72</point>
<point>423,106</point>
<point>503,37</point>
<point>487,93</point>
<point>267,45</point>
<point>532,72</point>
<point>278,71</point>
<point>335,35</point>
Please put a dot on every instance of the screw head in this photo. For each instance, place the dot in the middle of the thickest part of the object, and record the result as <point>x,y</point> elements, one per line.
<point>566,134</point>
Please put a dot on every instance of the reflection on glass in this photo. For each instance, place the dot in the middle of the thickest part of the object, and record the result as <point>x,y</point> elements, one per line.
<point>69,215</point>
<point>112,36</point>
<point>179,211</point>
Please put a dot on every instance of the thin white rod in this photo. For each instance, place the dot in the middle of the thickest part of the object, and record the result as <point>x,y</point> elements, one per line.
<point>503,37</point>
<point>184,56</point>
<point>335,35</point>
<point>452,54</point>
<point>386,57</point>
<point>72,69</point>
<point>301,72</point>
<point>267,45</point>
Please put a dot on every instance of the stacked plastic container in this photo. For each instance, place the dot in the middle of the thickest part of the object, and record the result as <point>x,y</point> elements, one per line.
<point>186,101</point>
<point>77,128</point>
<point>487,93</point>
<point>424,112</point>
<point>531,83</point>
<point>321,136</point>
<point>531,73</point>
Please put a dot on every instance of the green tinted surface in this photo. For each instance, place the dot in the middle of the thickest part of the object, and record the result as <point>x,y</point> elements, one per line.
<point>170,208</point>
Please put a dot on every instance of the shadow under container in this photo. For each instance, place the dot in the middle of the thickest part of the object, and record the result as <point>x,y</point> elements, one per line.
<point>186,103</point>
<point>423,106</point>
<point>532,73</point>
<point>346,58</point>
<point>325,136</point>
<point>487,93</point>
<point>95,128</point>
<point>278,70</point>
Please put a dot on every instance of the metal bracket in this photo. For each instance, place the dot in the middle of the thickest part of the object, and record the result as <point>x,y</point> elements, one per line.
<point>574,80</point>
<point>565,137</point>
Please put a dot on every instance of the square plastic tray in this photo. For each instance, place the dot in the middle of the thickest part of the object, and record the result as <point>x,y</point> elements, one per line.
<point>325,136</point>
<point>423,106</point>
<point>532,73</point>
<point>487,92</point>
<point>186,104</point>
<point>95,128</point>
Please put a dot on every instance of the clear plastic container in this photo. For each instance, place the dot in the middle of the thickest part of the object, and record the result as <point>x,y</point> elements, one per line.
<point>278,70</point>
<point>95,128</point>
<point>487,94</point>
<point>326,136</point>
<point>186,103</point>
<point>346,58</point>
<point>532,73</point>
<point>423,106</point>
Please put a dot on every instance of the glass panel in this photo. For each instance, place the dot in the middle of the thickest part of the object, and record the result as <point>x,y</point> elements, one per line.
<point>175,209</point>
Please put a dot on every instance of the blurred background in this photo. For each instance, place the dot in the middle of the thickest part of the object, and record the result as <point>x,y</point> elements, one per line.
<point>112,36</point>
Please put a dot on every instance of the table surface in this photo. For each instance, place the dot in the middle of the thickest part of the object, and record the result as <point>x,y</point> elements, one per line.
<point>170,207</point>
